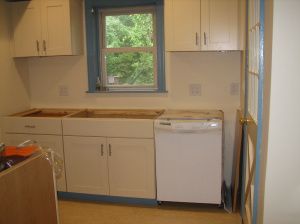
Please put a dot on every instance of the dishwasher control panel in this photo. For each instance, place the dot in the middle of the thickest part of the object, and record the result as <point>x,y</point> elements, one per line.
<point>189,125</point>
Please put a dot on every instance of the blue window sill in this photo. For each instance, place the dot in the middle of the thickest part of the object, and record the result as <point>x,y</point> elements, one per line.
<point>114,92</point>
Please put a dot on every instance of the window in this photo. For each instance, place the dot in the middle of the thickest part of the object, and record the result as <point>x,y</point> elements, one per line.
<point>125,46</point>
<point>128,53</point>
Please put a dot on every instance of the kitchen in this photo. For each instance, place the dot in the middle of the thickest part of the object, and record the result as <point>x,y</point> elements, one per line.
<point>61,82</point>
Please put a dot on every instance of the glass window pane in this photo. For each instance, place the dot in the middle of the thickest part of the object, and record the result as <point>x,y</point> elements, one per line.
<point>131,30</point>
<point>129,69</point>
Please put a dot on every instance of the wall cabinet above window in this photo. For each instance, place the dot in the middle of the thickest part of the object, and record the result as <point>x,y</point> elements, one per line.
<point>203,25</point>
<point>47,28</point>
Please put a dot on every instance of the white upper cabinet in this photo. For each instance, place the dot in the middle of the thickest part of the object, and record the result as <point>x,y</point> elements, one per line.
<point>56,30</point>
<point>47,28</point>
<point>219,24</point>
<point>203,25</point>
<point>26,28</point>
<point>182,25</point>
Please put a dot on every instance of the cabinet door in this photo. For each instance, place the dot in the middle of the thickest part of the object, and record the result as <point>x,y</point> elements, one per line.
<point>182,25</point>
<point>131,167</point>
<point>219,25</point>
<point>86,164</point>
<point>56,28</point>
<point>26,28</point>
<point>51,141</point>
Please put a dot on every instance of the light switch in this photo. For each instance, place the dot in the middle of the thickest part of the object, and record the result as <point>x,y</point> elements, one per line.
<point>195,89</point>
<point>234,88</point>
<point>63,91</point>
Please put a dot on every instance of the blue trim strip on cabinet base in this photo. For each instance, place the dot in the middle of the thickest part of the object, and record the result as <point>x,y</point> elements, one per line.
<point>105,198</point>
<point>227,198</point>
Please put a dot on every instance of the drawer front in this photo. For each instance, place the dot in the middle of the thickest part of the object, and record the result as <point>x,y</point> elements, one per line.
<point>51,126</point>
<point>128,128</point>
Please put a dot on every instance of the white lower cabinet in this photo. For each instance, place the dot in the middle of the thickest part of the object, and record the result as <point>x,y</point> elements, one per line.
<point>131,167</point>
<point>54,142</point>
<point>86,164</point>
<point>110,166</point>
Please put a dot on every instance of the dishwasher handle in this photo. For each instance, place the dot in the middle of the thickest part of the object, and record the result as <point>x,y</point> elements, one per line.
<point>188,126</point>
<point>163,125</point>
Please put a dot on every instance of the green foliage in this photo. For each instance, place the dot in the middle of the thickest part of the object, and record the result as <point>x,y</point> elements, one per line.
<point>131,68</point>
<point>133,30</point>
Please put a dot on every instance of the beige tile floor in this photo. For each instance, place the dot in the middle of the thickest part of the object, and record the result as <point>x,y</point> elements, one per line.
<point>72,212</point>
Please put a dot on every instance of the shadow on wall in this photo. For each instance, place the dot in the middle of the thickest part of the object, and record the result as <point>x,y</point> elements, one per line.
<point>14,75</point>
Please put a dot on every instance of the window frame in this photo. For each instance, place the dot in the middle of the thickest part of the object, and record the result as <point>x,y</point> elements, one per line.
<point>93,41</point>
<point>104,50</point>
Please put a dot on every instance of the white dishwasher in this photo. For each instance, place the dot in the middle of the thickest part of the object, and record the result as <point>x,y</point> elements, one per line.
<point>189,156</point>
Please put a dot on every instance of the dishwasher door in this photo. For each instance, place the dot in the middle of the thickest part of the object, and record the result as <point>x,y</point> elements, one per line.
<point>189,160</point>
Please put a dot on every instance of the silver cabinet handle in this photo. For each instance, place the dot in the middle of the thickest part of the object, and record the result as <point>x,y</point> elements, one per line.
<point>38,46</point>
<point>29,126</point>
<point>44,45</point>
<point>204,38</point>
<point>102,151</point>
<point>109,149</point>
<point>197,38</point>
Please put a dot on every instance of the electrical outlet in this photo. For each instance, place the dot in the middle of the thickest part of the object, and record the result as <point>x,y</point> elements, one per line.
<point>195,89</point>
<point>63,91</point>
<point>234,88</point>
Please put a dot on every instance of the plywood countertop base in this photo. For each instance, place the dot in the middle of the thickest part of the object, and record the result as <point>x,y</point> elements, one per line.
<point>91,113</point>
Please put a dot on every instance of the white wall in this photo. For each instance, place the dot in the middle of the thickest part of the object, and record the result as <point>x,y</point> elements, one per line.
<point>282,186</point>
<point>14,91</point>
<point>214,71</point>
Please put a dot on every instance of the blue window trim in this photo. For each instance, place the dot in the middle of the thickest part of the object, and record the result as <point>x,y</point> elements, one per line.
<point>92,38</point>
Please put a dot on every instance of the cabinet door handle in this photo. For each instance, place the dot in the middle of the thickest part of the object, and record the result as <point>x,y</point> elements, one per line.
<point>102,151</point>
<point>109,149</point>
<point>38,46</point>
<point>29,126</point>
<point>204,38</point>
<point>44,45</point>
<point>197,38</point>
